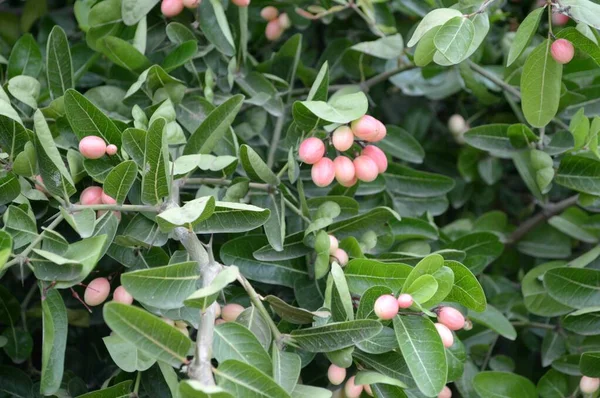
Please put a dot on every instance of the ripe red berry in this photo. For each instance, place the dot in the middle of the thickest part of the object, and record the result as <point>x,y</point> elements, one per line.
<point>96,292</point>
<point>340,256</point>
<point>451,318</point>
<point>92,147</point>
<point>352,390</point>
<point>405,300</point>
<point>273,31</point>
<point>91,196</point>
<point>386,307</point>
<point>311,150</point>
<point>342,138</point>
<point>378,156</point>
<point>445,393</point>
<point>269,13</point>
<point>323,172</point>
<point>366,168</point>
<point>230,312</point>
<point>336,375</point>
<point>589,385</point>
<point>121,295</point>
<point>562,51</point>
<point>171,8</point>
<point>445,334</point>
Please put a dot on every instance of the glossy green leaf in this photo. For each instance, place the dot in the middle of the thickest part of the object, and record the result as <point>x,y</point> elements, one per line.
<point>86,119</point>
<point>420,184</point>
<point>525,33</point>
<point>243,380</point>
<point>233,341</point>
<point>55,327</point>
<point>363,274</point>
<point>579,173</point>
<point>213,23</point>
<point>195,389</point>
<point>575,287</point>
<point>286,368</point>
<point>466,289</point>
<point>434,18</point>
<point>155,181</point>
<point>25,58</point>
<point>503,384</point>
<point>133,11</point>
<point>495,320</point>
<point>126,355</point>
<point>188,215</point>
<point>454,38</point>
<point>233,217</point>
<point>120,180</point>
<point>204,297</point>
<point>335,336</point>
<point>59,66</point>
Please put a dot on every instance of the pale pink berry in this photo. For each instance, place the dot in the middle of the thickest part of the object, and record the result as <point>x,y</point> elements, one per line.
<point>445,393</point>
<point>311,150</point>
<point>341,257</point>
<point>333,244</point>
<point>40,188</point>
<point>269,13</point>
<point>107,200</point>
<point>367,128</point>
<point>284,21</point>
<point>589,385</point>
<point>230,312</point>
<point>92,147</point>
<point>352,390</point>
<point>171,8</point>
<point>342,138</point>
<point>111,150</point>
<point>386,307</point>
<point>366,168</point>
<point>562,51</point>
<point>381,132</point>
<point>405,300</point>
<point>344,169</point>
<point>336,375</point>
<point>457,124</point>
<point>323,172</point>
<point>121,295</point>
<point>96,292</point>
<point>191,3</point>
<point>560,19</point>
<point>368,390</point>
<point>451,318</point>
<point>348,184</point>
<point>378,156</point>
<point>91,196</point>
<point>220,321</point>
<point>241,3</point>
<point>273,31</point>
<point>445,334</point>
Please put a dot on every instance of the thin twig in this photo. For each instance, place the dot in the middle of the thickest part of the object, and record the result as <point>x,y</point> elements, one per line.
<point>135,208</point>
<point>296,210</point>
<point>488,355</point>
<point>226,183</point>
<point>494,79</point>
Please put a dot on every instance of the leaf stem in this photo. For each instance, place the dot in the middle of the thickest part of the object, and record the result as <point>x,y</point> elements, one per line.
<point>296,210</point>
<point>538,325</point>
<point>23,255</point>
<point>136,388</point>
<point>494,79</point>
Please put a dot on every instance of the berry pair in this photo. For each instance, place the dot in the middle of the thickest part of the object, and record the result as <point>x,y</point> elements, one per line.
<point>277,23</point>
<point>94,147</point>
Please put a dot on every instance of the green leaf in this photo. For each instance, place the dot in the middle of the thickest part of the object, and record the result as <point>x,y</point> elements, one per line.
<point>286,368</point>
<point>545,242</point>
<point>233,217</point>
<point>125,355</point>
<point>104,20</point>
<point>213,128</point>
<point>256,168</point>
<point>155,181</point>
<point>243,380</point>
<point>187,216</point>
<point>590,364</point>
<point>554,385</point>
<point>466,289</point>
<point>363,274</point>
<point>342,108</point>
<point>86,119</point>
<point>503,384</point>
<point>391,364</point>
<point>180,55</point>
<point>575,287</point>
<point>540,86</point>
<point>434,18</point>
<point>294,315</point>
<point>422,347</point>
<point>120,390</point>
<point>524,164</point>
<point>233,341</point>
<point>482,249</point>
<point>25,58</point>
<point>584,322</point>
<point>322,245</point>
<point>19,344</point>
<point>15,382</point>
<point>13,136</point>
<point>148,333</point>
<point>6,244</point>
<point>580,174</point>
<point>583,11</point>
<point>581,42</point>
<point>195,389</point>
<point>20,225</point>
<point>419,184</point>
<point>120,180</point>
<point>493,319</point>
<point>572,222</point>
<point>26,162</point>
<point>26,89</point>
<point>9,188</point>
<point>213,23</point>
<point>454,38</point>
<point>427,266</point>
<point>320,88</point>
<point>134,143</point>
<point>81,221</point>
<point>525,33</point>
<point>373,220</point>
<point>257,324</point>
<point>204,297</point>
<point>367,301</point>
<point>87,252</point>
<point>52,267</point>
<point>133,11</point>
<point>122,53</point>
<point>335,336</point>
<point>493,138</point>
<point>340,295</point>
<point>402,145</point>
<point>163,287</point>
<point>59,66</point>
<point>388,47</point>
<point>55,327</point>
<point>423,288</point>
<point>371,377</point>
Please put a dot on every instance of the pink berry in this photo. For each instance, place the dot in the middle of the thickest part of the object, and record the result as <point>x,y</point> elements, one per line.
<point>352,390</point>
<point>230,312</point>
<point>40,188</point>
<point>269,13</point>
<point>273,30</point>
<point>348,184</point>
<point>333,244</point>
<point>445,334</point>
<point>311,150</point>
<point>457,124</point>
<point>381,132</point>
<point>341,257</point>
<point>405,300</point>
<point>560,19</point>
<point>367,128</point>
<point>220,321</point>
<point>92,147</point>
<point>342,138</point>
<point>284,21</point>
<point>368,390</point>
<point>386,307</point>
<point>171,8</point>
<point>445,393</point>
<point>191,3</point>
<point>91,196</point>
<point>241,3</point>
<point>323,172</point>
<point>451,318</point>
<point>111,150</point>
<point>378,156</point>
<point>121,295</point>
<point>107,200</point>
<point>562,51</point>
<point>96,292</point>
<point>366,168</point>
<point>344,169</point>
<point>589,385</point>
<point>336,375</point>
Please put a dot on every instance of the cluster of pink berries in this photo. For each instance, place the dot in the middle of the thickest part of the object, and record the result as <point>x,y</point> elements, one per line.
<point>179,325</point>
<point>562,51</point>
<point>96,196</point>
<point>336,253</point>
<point>94,147</point>
<point>365,167</point>
<point>97,292</point>
<point>277,24</point>
<point>172,8</point>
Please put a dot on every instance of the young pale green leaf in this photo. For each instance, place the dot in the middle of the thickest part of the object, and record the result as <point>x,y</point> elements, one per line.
<point>540,86</point>
<point>362,274</point>
<point>204,297</point>
<point>133,11</point>
<point>86,119</point>
<point>503,384</point>
<point>233,217</point>
<point>525,33</point>
<point>213,128</point>
<point>454,38</point>
<point>434,18</point>
<point>243,380</point>
<point>495,320</point>
<point>155,181</point>
<point>119,180</point>
<point>341,297</point>
<point>320,88</point>
<point>148,333</point>
<point>580,174</point>
<point>59,66</point>
<point>252,319</point>
<point>427,266</point>
<point>388,47</point>
<point>286,368</point>
<point>423,288</point>
<point>575,287</point>
<point>466,289</point>
<point>419,184</point>
<point>234,341</point>
<point>342,108</point>
<point>256,168</point>
<point>26,162</point>
<point>583,11</point>
<point>6,244</point>
<point>322,245</point>
<point>372,377</point>
<point>422,347</point>
<point>294,315</point>
<point>26,89</point>
<point>20,225</point>
<point>572,222</point>
<point>81,221</point>
<point>25,58</point>
<point>54,344</point>
<point>187,216</point>
<point>86,252</point>
<point>335,336</point>
<point>9,188</point>
<point>195,389</point>
<point>163,287</point>
<point>213,23</point>
<point>51,267</point>
<point>126,355</point>
<point>180,55</point>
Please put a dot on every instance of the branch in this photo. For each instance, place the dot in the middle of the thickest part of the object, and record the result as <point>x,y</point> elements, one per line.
<point>482,8</point>
<point>135,208</point>
<point>226,183</point>
<point>276,137</point>
<point>495,79</point>
<point>547,212</point>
